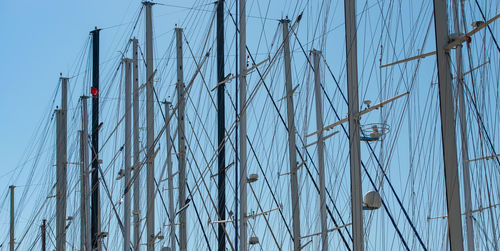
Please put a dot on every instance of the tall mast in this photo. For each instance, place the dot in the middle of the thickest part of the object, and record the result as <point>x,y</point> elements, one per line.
<point>82,192</point>
<point>221,131</point>
<point>60,209</point>
<point>136,168</point>
<point>463,132</point>
<point>150,215</point>
<point>84,182</point>
<point>96,207</point>
<point>43,229</point>
<point>448,127</point>
<point>170,179</point>
<point>12,238</point>
<point>243,127</point>
<point>127,185</point>
<point>353,107</point>
<point>321,157</point>
<point>291,138</point>
<point>182,145</point>
<point>61,116</point>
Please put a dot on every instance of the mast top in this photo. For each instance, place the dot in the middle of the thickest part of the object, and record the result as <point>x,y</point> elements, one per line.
<point>148,3</point>
<point>285,20</point>
<point>95,30</point>
<point>166,102</point>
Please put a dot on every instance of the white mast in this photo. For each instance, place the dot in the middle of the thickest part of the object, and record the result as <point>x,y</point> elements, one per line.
<point>291,138</point>
<point>127,185</point>
<point>136,168</point>
<point>150,215</point>
<point>83,209</point>
<point>170,178</point>
<point>321,157</point>
<point>60,208</point>
<point>243,128</point>
<point>12,218</point>
<point>463,132</point>
<point>353,104</point>
<point>61,116</point>
<point>182,137</point>
<point>448,127</point>
<point>84,186</point>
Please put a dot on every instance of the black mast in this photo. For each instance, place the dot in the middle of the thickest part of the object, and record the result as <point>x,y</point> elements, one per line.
<point>44,227</point>
<point>220,124</point>
<point>95,210</point>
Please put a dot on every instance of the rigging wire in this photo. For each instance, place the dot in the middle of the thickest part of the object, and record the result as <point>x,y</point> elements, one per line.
<point>284,124</point>
<point>236,158</point>
<point>487,26</point>
<point>374,155</point>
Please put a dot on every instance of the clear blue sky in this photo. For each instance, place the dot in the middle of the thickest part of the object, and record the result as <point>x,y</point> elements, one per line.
<point>40,39</point>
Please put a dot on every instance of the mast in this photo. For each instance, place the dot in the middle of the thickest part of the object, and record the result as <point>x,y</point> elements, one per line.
<point>243,127</point>
<point>12,218</point>
<point>291,138</point>
<point>136,168</point>
<point>96,210</point>
<point>127,185</point>
<point>221,127</point>
<point>150,215</point>
<point>60,212</point>
<point>448,127</point>
<point>463,132</point>
<point>182,145</point>
<point>170,178</point>
<point>84,183</point>
<point>353,106</point>
<point>61,116</point>
<point>82,191</point>
<point>43,228</point>
<point>321,157</point>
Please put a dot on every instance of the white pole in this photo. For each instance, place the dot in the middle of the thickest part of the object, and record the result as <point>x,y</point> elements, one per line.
<point>463,133</point>
<point>321,157</point>
<point>150,215</point>
<point>60,208</point>
<point>243,128</point>
<point>83,214</point>
<point>353,103</point>
<point>64,107</point>
<point>137,209</point>
<point>170,178</point>
<point>61,167</point>
<point>182,137</point>
<point>12,218</point>
<point>84,186</point>
<point>127,185</point>
<point>448,126</point>
<point>291,138</point>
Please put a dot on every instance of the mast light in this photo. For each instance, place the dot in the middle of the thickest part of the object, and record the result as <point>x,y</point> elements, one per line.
<point>372,200</point>
<point>253,240</point>
<point>252,178</point>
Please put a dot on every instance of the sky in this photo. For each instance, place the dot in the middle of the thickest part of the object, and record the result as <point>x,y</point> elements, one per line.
<point>41,39</point>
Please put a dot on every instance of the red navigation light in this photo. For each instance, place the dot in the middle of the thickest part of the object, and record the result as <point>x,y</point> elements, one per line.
<point>94,91</point>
